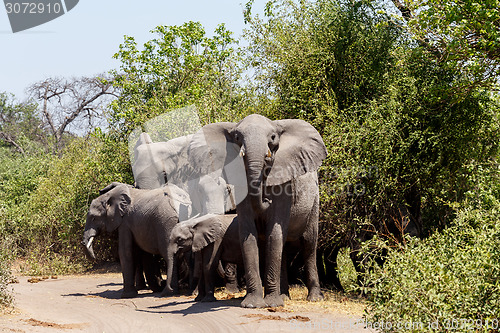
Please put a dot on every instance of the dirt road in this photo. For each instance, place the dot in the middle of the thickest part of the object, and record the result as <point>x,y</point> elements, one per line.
<point>92,303</point>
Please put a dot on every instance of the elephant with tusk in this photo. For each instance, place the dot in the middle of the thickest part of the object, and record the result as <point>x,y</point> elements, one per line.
<point>143,218</point>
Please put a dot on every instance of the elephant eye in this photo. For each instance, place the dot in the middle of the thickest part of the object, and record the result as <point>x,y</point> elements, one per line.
<point>273,137</point>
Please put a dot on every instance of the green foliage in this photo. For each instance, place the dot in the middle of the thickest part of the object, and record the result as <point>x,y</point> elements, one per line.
<point>47,224</point>
<point>320,57</point>
<point>451,278</point>
<point>347,274</point>
<point>397,135</point>
<point>5,276</point>
<point>20,128</point>
<point>180,67</point>
<point>19,176</point>
<point>461,34</point>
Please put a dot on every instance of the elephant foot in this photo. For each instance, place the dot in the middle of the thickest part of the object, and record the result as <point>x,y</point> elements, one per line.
<point>167,293</point>
<point>199,298</point>
<point>157,288</point>
<point>253,300</point>
<point>315,295</point>
<point>232,289</point>
<point>274,300</point>
<point>285,297</point>
<point>141,286</point>
<point>209,298</point>
<point>129,294</point>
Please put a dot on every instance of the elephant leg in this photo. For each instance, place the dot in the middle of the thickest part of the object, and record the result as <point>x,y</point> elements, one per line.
<point>196,271</point>
<point>276,234</point>
<point>240,274</point>
<point>127,263</point>
<point>250,252</point>
<point>230,278</point>
<point>328,269</point>
<point>140,283</point>
<point>274,252</point>
<point>310,240</point>
<point>200,262</point>
<point>211,255</point>
<point>284,288</point>
<point>151,266</point>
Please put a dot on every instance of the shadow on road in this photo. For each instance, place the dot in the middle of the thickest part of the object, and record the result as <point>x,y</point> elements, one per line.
<point>195,308</point>
<point>110,294</point>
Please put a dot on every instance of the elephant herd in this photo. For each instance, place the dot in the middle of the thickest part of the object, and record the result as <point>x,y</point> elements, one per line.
<point>230,196</point>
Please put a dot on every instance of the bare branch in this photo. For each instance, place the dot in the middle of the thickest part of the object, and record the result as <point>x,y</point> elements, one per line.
<point>405,11</point>
<point>8,138</point>
<point>63,101</point>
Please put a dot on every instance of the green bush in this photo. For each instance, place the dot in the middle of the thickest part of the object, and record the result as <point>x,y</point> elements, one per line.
<point>47,224</point>
<point>5,277</point>
<point>450,280</point>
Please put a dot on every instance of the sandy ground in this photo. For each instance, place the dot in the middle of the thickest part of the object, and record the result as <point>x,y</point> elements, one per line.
<point>91,303</point>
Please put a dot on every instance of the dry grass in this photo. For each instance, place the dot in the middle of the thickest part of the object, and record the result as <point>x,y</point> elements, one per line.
<point>334,302</point>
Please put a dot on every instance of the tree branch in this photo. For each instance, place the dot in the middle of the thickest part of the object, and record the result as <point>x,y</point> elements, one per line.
<point>7,138</point>
<point>405,11</point>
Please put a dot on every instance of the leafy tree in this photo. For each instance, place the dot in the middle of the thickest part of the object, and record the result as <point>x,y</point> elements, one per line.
<point>397,135</point>
<point>181,66</point>
<point>317,57</point>
<point>463,34</point>
<point>19,123</point>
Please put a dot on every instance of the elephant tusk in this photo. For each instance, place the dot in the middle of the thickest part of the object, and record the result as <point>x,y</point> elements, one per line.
<point>242,152</point>
<point>268,152</point>
<point>89,244</point>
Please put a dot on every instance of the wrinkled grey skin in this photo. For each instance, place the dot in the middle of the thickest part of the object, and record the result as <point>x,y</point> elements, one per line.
<point>215,238</point>
<point>158,163</point>
<point>281,159</point>
<point>142,217</point>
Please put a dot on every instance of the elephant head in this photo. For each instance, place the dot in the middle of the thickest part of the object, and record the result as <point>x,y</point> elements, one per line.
<point>106,213</point>
<point>273,152</point>
<point>192,235</point>
<point>156,163</point>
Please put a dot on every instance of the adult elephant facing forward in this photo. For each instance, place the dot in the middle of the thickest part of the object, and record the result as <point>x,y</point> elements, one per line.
<point>280,159</point>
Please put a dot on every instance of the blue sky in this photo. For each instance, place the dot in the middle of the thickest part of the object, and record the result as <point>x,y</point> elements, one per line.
<point>83,41</point>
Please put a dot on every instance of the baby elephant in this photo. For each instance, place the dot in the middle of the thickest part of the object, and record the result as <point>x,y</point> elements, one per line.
<point>214,237</point>
<point>143,218</point>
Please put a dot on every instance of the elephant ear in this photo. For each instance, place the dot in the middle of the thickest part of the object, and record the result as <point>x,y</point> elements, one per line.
<point>208,230</point>
<point>301,150</point>
<point>117,206</point>
<point>211,148</point>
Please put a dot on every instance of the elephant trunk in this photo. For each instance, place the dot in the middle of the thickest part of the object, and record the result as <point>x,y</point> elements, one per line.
<point>171,253</point>
<point>255,175</point>
<point>88,237</point>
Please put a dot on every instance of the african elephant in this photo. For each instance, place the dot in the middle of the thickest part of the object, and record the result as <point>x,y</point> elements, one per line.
<point>215,238</point>
<point>146,264</point>
<point>143,218</point>
<point>280,161</point>
<point>158,163</point>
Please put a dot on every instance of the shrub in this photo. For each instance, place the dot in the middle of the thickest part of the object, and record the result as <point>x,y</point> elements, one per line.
<point>5,278</point>
<point>47,224</point>
<point>450,280</point>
